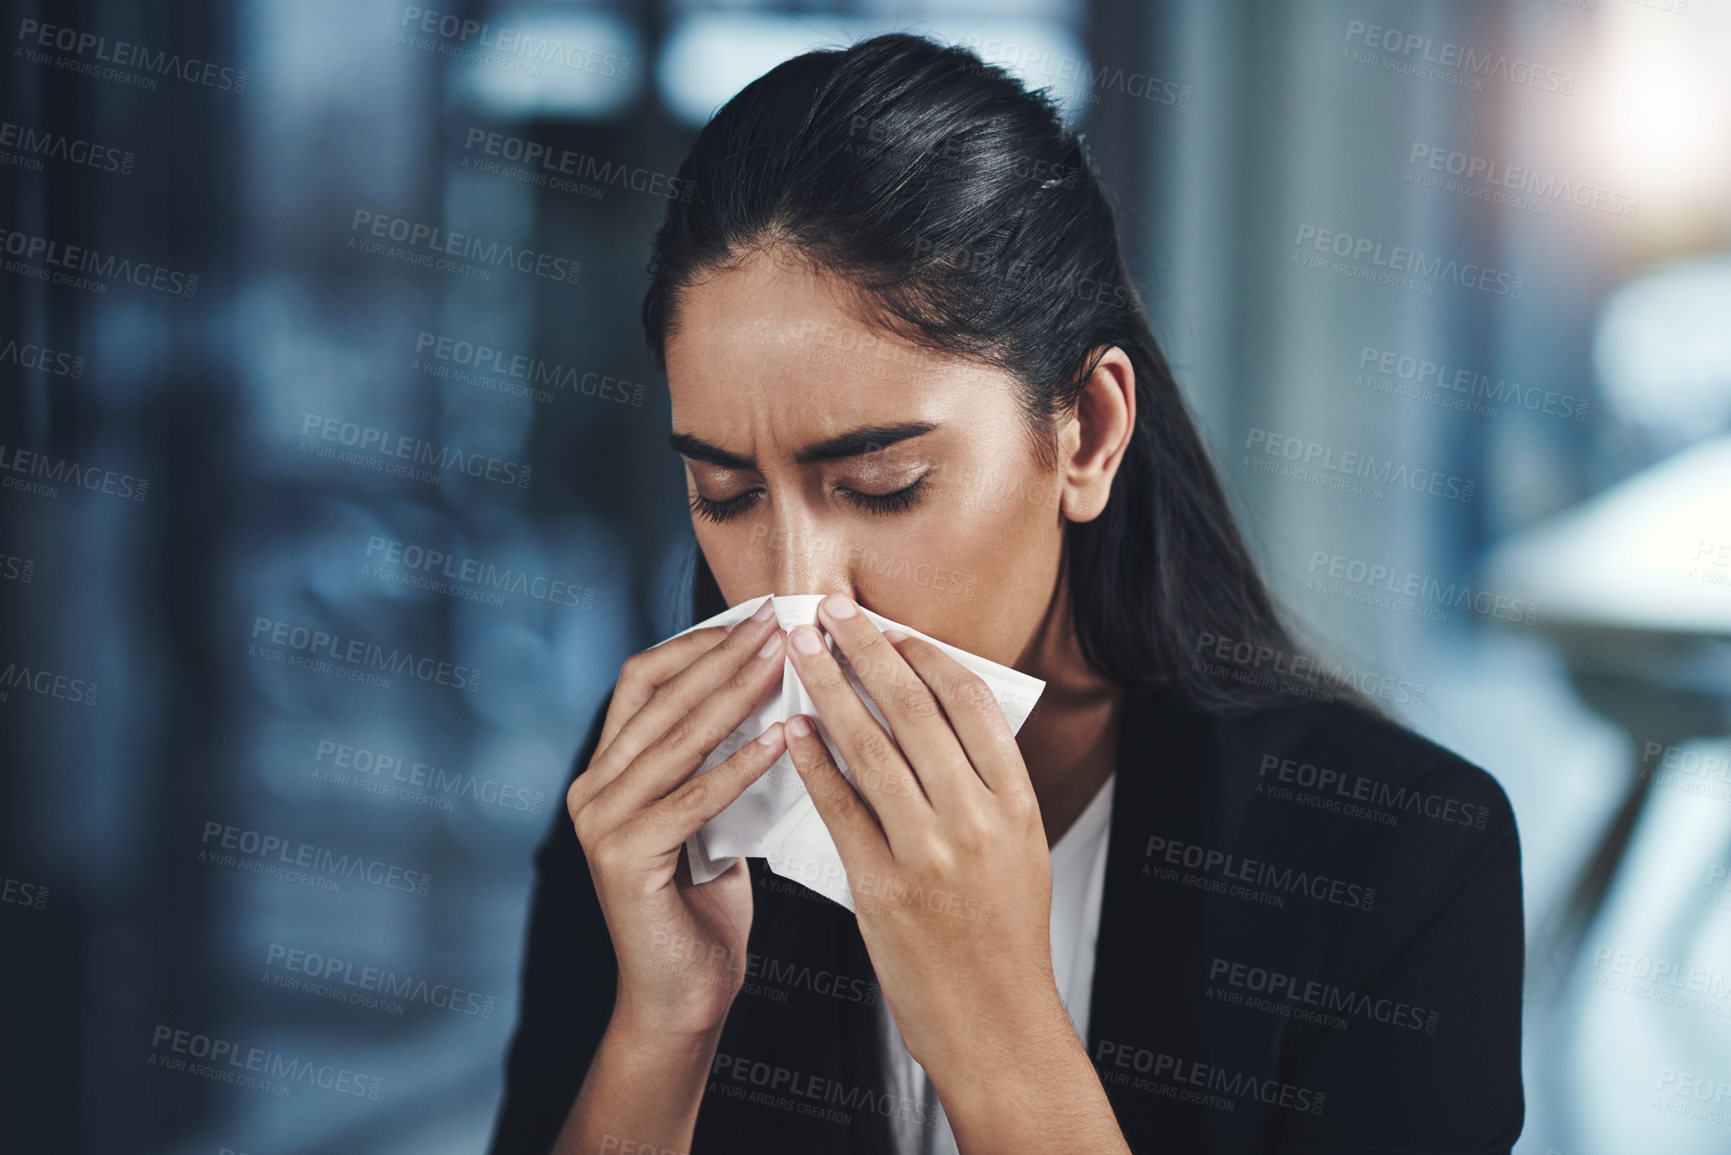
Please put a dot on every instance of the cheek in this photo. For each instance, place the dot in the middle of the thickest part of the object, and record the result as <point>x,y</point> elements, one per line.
<point>741,554</point>
<point>991,519</point>
<point>962,575</point>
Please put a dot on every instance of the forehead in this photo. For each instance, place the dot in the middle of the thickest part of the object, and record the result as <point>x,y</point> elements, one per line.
<point>774,344</point>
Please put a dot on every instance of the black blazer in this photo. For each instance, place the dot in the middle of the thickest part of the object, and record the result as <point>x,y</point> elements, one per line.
<point>1310,941</point>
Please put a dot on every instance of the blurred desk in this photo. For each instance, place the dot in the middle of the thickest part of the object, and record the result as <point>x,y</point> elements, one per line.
<point>1634,586</point>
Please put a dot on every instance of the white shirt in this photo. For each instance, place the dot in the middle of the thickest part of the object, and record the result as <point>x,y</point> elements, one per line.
<point>1078,881</point>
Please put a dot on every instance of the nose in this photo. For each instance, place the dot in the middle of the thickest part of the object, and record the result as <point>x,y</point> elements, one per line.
<point>807,559</point>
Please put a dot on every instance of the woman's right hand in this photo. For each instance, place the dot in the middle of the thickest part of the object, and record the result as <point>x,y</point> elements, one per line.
<point>681,946</point>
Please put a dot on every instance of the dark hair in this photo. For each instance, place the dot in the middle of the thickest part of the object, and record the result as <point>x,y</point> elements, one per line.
<point>961,208</point>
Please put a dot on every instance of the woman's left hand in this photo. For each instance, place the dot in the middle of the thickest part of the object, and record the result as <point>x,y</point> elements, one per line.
<point>949,868</point>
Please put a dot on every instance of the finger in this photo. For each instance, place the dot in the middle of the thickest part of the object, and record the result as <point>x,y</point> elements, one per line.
<point>648,676</point>
<point>859,837</point>
<point>669,823</point>
<point>677,752</point>
<point>975,717</point>
<point>914,715</point>
<point>690,713</point>
<point>653,667</point>
<point>876,766</point>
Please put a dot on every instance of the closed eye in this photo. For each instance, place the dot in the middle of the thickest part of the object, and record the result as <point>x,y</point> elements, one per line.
<point>719,511</point>
<point>886,502</point>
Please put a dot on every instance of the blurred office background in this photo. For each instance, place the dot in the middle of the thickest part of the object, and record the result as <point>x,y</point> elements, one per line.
<point>1485,243</point>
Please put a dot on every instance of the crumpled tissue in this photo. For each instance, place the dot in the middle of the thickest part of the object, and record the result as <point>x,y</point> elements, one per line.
<point>774,818</point>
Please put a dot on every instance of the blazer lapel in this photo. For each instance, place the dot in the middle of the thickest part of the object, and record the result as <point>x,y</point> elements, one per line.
<point>1146,1001</point>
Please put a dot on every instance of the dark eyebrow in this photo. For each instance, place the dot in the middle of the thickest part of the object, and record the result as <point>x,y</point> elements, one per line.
<point>867,440</point>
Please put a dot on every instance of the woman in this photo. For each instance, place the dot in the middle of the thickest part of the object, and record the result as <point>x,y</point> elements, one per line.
<point>1206,899</point>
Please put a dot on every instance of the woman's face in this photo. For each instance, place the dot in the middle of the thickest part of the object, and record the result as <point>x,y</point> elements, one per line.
<point>839,458</point>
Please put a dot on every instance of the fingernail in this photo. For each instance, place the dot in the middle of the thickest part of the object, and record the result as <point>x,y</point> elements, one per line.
<point>770,736</point>
<point>766,610</point>
<point>838,606</point>
<point>799,725</point>
<point>806,641</point>
<point>770,645</point>
<point>894,634</point>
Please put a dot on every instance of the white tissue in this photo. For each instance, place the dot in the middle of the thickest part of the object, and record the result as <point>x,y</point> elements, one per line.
<point>774,818</point>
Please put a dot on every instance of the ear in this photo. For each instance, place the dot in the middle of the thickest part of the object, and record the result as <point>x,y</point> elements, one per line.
<point>1092,442</point>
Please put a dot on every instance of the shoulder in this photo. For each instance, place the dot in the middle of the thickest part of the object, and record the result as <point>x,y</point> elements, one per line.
<point>1434,956</point>
<point>1361,765</point>
<point>1410,829</point>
